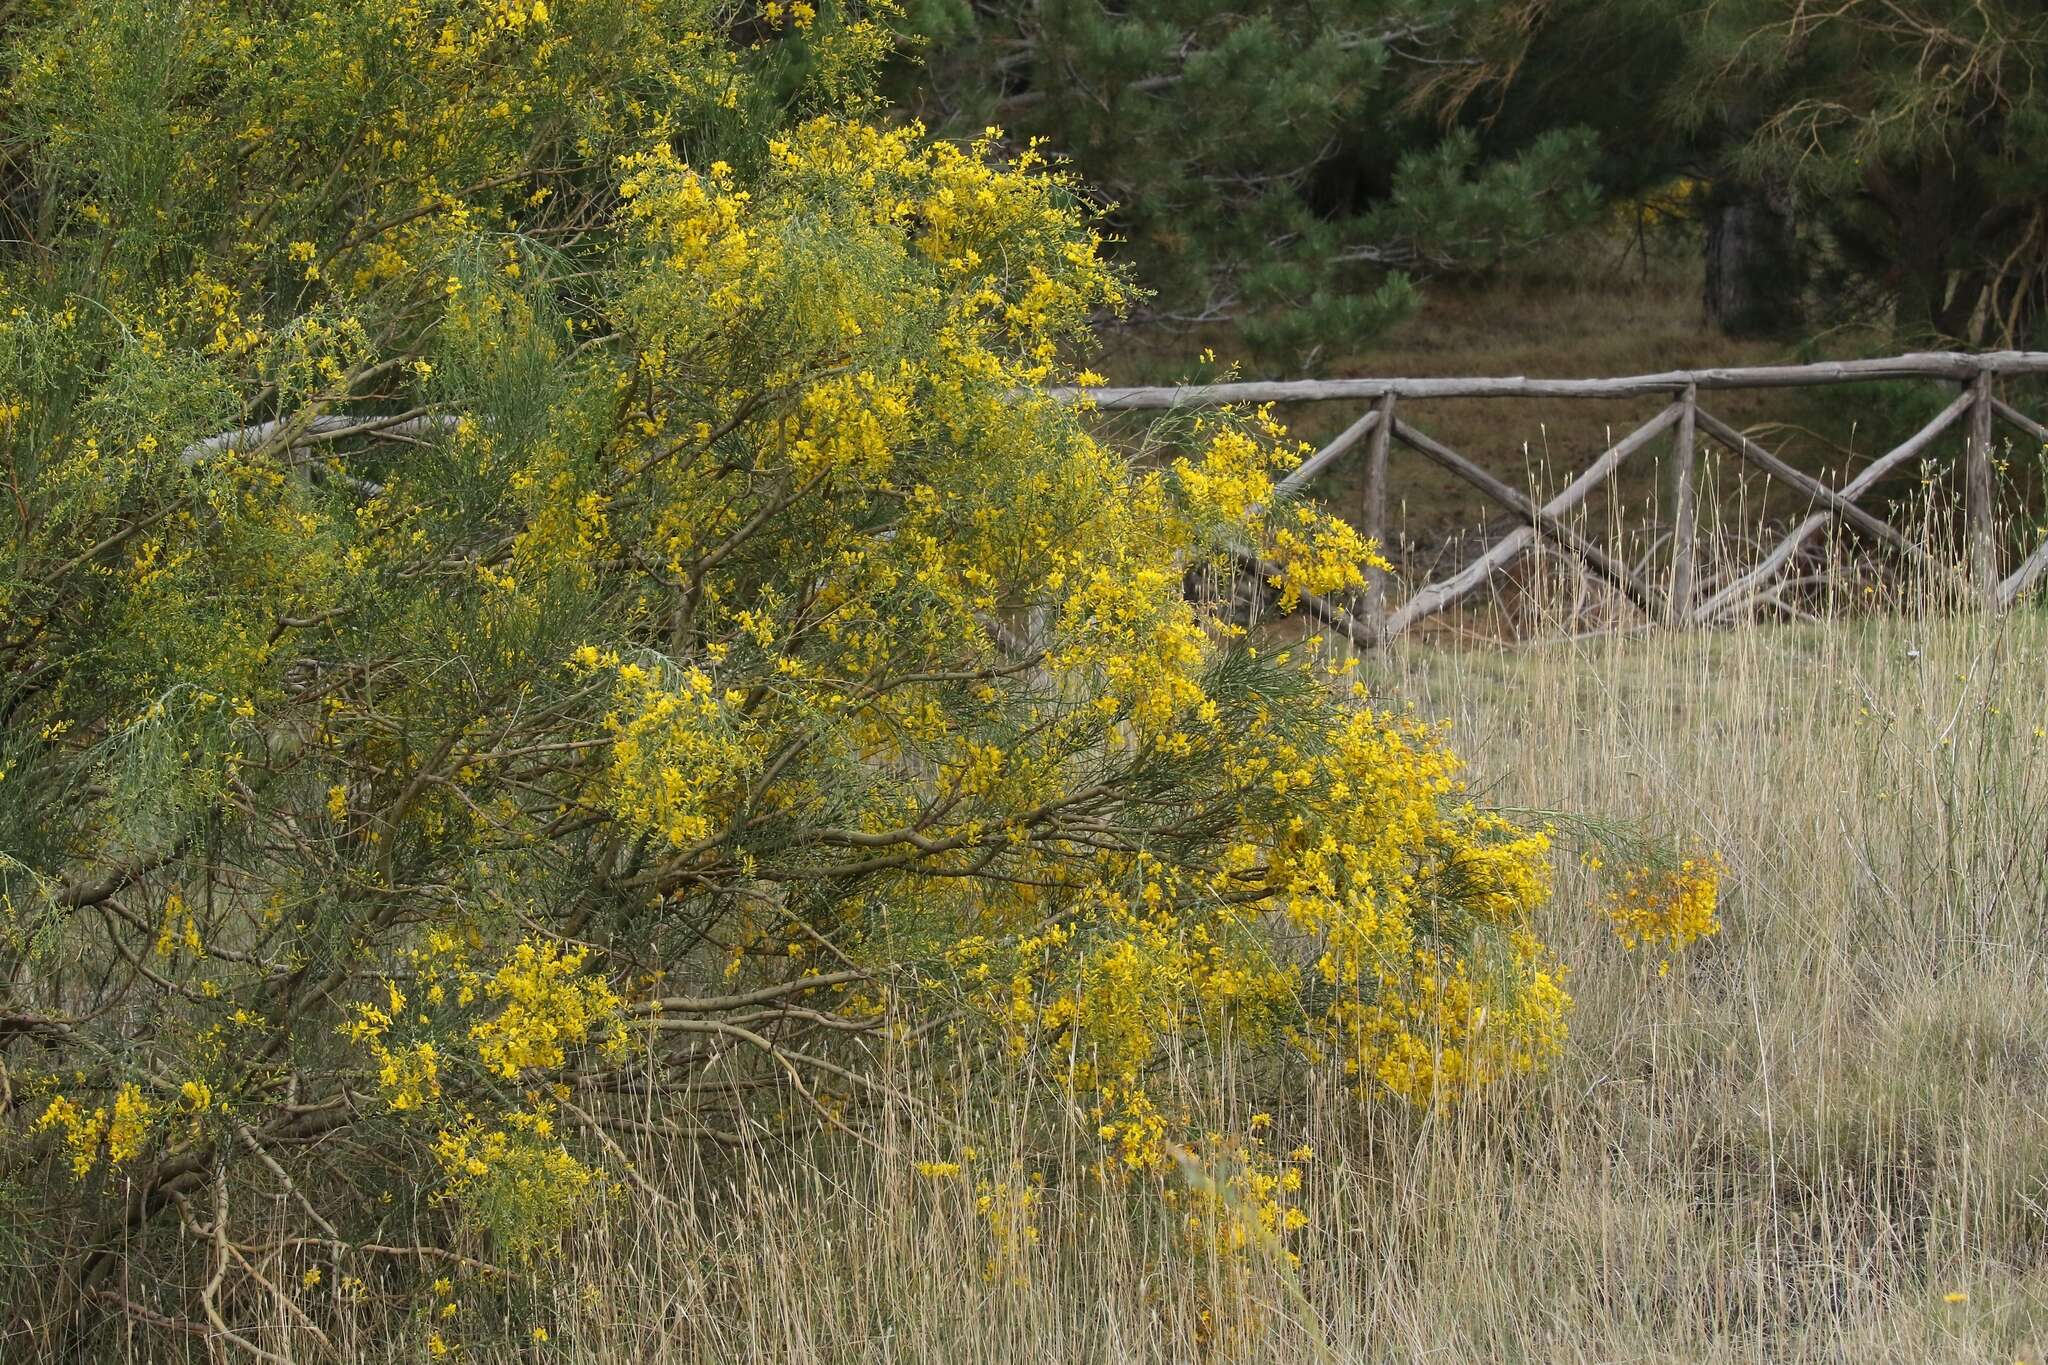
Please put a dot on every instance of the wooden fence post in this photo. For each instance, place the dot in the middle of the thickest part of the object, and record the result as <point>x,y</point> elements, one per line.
<point>1979,511</point>
<point>1685,511</point>
<point>1374,513</point>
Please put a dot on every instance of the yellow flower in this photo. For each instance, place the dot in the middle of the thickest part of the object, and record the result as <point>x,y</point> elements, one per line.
<point>130,1125</point>
<point>1670,907</point>
<point>549,1005</point>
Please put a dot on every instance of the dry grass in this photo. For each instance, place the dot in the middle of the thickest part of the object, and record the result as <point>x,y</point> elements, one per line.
<point>1794,1148</point>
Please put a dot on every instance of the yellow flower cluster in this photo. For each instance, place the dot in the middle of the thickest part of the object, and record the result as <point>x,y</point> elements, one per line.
<point>852,423</point>
<point>522,1015</point>
<point>1231,488</point>
<point>547,1003</point>
<point>696,220</point>
<point>732,255</point>
<point>1394,878</point>
<point>1363,912</point>
<point>1237,1197</point>
<point>1008,1207</point>
<point>1130,627</point>
<point>124,1130</point>
<point>179,929</point>
<point>1233,481</point>
<point>1431,1032</point>
<point>545,1000</point>
<point>410,1077</point>
<point>1668,907</point>
<point>679,748</point>
<point>515,1179</point>
<point>1319,554</point>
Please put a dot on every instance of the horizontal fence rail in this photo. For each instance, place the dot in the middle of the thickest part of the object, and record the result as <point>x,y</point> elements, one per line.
<point>1956,365</point>
<point>1677,600</point>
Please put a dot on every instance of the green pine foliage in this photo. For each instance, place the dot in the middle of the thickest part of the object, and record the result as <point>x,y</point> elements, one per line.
<point>1263,165</point>
<point>1903,141</point>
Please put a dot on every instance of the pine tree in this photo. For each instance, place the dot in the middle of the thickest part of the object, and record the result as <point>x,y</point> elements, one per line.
<point>1260,161</point>
<point>1869,161</point>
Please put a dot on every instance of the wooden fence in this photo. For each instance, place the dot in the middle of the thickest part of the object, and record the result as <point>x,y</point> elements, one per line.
<point>1676,600</point>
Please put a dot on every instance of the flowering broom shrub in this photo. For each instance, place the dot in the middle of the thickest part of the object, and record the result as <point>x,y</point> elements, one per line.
<point>547,600</point>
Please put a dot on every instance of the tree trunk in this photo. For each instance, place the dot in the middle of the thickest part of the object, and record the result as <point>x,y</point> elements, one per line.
<point>1753,279</point>
<point>1941,281</point>
<point>1956,319</point>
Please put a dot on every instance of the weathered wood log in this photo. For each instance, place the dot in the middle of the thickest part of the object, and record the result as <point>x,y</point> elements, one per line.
<point>2020,420</point>
<point>1807,484</point>
<point>1851,491</point>
<point>1979,500</point>
<point>1685,510</point>
<point>1517,502</point>
<point>1432,598</point>
<point>1436,596</point>
<point>1953,365</point>
<point>2034,565</point>
<point>1298,477</point>
<point>1743,589</point>
<point>2025,576</point>
<point>1373,512</point>
<point>319,431</point>
<point>1905,450</point>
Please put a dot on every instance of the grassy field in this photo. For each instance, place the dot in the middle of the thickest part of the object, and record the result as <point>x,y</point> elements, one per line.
<point>1822,1137</point>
